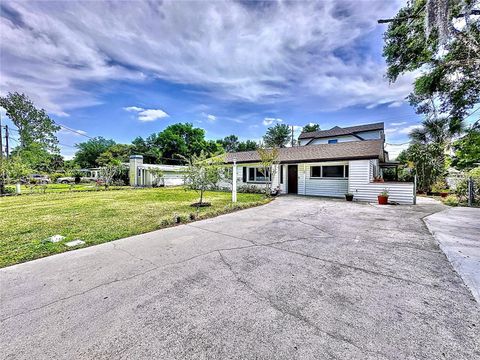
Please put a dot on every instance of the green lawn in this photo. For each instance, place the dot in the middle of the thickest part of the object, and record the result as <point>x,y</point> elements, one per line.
<point>49,188</point>
<point>97,217</point>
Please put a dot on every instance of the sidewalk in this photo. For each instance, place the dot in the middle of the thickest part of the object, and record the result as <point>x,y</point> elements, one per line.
<point>458,232</point>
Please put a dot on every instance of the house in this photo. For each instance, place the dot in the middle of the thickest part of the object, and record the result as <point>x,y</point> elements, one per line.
<point>328,163</point>
<point>141,174</point>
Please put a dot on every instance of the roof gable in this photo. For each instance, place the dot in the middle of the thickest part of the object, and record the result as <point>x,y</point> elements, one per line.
<point>368,149</point>
<point>338,131</point>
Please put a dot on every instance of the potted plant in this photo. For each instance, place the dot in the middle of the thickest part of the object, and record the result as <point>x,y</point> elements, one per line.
<point>378,179</point>
<point>349,197</point>
<point>383,197</point>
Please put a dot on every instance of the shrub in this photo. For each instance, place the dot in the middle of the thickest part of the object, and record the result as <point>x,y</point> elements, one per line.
<point>118,183</point>
<point>250,189</point>
<point>55,176</point>
<point>10,190</point>
<point>439,186</point>
<point>451,200</point>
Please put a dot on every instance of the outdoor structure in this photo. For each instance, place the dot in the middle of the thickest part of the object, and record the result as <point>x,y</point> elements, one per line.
<point>141,174</point>
<point>329,163</point>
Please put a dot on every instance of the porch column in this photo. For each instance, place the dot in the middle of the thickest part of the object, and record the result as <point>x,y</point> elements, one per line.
<point>234,181</point>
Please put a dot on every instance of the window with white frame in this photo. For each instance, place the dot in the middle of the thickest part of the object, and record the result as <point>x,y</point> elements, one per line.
<point>256,174</point>
<point>329,171</point>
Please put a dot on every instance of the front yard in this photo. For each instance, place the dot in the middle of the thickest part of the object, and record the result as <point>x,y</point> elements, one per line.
<point>98,217</point>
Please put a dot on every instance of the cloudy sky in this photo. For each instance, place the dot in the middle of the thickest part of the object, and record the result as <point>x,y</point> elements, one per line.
<point>130,68</point>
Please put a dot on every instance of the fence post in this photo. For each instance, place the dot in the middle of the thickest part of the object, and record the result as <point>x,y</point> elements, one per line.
<point>470,191</point>
<point>234,181</point>
<point>415,189</point>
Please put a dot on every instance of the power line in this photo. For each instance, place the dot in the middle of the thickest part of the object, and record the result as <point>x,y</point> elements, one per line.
<point>74,131</point>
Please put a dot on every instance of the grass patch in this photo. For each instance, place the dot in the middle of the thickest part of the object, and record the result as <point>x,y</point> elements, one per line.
<point>99,216</point>
<point>56,188</point>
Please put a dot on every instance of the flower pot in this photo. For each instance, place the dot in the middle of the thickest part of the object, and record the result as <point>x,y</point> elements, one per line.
<point>382,200</point>
<point>349,197</point>
<point>444,194</point>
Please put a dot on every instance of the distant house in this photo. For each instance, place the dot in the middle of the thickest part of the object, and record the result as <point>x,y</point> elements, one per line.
<point>140,174</point>
<point>329,163</point>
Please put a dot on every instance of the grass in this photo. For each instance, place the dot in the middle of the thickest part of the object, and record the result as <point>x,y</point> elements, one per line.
<point>98,216</point>
<point>55,188</point>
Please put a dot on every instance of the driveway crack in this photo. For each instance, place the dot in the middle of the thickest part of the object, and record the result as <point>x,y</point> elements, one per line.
<point>155,267</point>
<point>371,272</point>
<point>291,313</point>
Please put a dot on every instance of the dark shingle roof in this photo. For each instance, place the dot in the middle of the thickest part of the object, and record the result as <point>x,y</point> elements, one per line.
<point>337,131</point>
<point>368,149</point>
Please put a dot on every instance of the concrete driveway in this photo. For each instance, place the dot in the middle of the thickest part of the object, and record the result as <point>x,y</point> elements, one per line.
<point>299,278</point>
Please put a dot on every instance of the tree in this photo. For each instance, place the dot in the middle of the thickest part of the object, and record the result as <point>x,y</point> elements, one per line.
<point>277,136</point>
<point>428,164</point>
<point>38,158</point>
<point>148,148</point>
<point>467,150</point>
<point>88,152</point>
<point>248,145</point>
<point>108,171</point>
<point>34,125</point>
<point>157,175</point>
<point>310,128</point>
<point>181,140</point>
<point>230,143</point>
<point>430,143</point>
<point>15,169</point>
<point>120,152</point>
<point>423,37</point>
<point>269,166</point>
<point>202,173</point>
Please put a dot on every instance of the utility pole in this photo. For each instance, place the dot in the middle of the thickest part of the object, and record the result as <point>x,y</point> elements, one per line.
<point>2,175</point>
<point>6,141</point>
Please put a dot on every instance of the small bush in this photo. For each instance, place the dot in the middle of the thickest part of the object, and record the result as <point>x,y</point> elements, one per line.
<point>10,190</point>
<point>250,189</point>
<point>55,176</point>
<point>439,187</point>
<point>118,182</point>
<point>451,200</point>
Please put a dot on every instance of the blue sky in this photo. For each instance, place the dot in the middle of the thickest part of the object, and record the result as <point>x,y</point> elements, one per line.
<point>126,69</point>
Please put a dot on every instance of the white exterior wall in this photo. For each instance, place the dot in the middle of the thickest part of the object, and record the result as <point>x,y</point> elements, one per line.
<point>361,186</point>
<point>275,180</point>
<point>366,135</point>
<point>140,176</point>
<point>332,187</point>
<point>339,139</point>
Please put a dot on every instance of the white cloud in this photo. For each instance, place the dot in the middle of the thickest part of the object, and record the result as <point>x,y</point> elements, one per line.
<point>146,115</point>
<point>408,129</point>
<point>398,123</point>
<point>396,104</point>
<point>390,130</point>
<point>270,120</point>
<point>133,109</point>
<point>209,117</point>
<point>240,51</point>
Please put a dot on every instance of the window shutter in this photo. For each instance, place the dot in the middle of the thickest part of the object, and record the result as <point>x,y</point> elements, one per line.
<point>244,178</point>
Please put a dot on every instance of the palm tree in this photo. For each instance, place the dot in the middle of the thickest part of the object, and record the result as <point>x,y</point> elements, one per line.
<point>429,145</point>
